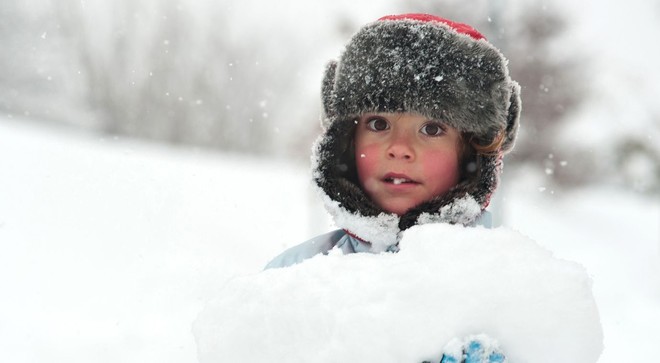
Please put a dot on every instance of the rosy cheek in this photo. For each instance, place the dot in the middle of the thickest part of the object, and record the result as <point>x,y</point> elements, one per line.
<point>443,168</point>
<point>366,162</point>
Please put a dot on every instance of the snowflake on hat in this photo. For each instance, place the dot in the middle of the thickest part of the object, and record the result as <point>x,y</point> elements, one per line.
<point>443,70</point>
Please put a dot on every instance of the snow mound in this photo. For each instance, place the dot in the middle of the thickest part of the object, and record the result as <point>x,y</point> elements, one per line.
<point>446,282</point>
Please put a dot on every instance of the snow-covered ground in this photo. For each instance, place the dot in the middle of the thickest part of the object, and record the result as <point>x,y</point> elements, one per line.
<point>110,248</point>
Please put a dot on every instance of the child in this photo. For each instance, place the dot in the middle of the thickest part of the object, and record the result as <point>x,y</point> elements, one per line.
<point>418,112</point>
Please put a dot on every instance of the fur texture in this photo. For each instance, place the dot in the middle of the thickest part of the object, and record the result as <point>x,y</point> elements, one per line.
<point>422,67</point>
<point>406,65</point>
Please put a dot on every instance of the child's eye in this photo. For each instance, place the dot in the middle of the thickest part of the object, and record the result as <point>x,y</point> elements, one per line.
<point>378,124</point>
<point>432,129</point>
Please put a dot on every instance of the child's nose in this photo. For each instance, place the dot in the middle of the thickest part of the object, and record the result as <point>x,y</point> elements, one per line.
<point>400,148</point>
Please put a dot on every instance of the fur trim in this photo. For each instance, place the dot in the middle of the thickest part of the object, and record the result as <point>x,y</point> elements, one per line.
<point>464,211</point>
<point>513,118</point>
<point>381,231</point>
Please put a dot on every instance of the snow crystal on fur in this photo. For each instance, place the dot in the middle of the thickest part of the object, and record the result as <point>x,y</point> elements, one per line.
<point>462,211</point>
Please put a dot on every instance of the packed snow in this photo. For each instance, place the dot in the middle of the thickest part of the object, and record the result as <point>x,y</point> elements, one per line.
<point>445,282</point>
<point>110,248</point>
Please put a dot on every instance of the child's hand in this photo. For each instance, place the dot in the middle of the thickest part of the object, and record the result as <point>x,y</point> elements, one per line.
<point>474,349</point>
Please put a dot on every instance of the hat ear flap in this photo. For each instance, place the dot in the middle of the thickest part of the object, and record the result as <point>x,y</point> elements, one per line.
<point>513,118</point>
<point>328,94</point>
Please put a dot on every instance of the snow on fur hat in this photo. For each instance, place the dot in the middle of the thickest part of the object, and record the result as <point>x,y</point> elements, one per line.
<point>420,63</point>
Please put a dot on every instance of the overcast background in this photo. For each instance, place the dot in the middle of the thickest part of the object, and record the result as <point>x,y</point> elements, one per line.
<point>151,149</point>
<point>243,76</point>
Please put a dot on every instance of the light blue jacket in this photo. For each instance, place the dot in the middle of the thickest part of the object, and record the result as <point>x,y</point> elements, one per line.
<point>341,240</point>
<point>321,244</point>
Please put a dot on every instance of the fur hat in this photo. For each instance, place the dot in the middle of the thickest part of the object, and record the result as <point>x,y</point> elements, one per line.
<point>420,63</point>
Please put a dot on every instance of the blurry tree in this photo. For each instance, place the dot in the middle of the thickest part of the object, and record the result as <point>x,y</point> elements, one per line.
<point>29,84</point>
<point>638,164</point>
<point>8,41</point>
<point>160,70</point>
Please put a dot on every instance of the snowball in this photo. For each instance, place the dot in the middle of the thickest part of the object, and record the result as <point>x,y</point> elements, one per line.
<point>446,282</point>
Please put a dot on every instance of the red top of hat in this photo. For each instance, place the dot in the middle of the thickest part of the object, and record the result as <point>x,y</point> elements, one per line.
<point>458,27</point>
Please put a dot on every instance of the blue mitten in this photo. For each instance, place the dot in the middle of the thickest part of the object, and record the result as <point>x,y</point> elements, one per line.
<point>473,349</point>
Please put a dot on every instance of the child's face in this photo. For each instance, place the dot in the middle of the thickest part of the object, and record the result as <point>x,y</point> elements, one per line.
<point>404,159</point>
